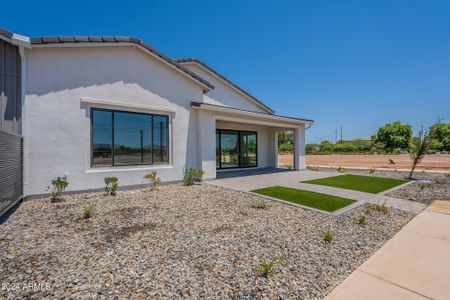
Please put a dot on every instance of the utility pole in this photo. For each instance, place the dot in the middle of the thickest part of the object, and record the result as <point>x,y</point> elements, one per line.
<point>341,133</point>
<point>335,136</point>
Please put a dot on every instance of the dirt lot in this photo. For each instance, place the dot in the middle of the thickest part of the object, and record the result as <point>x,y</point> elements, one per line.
<point>402,161</point>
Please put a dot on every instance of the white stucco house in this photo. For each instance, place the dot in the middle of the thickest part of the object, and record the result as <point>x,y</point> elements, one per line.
<point>99,106</point>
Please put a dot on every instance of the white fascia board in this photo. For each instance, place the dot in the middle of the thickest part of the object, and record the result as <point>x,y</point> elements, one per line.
<point>121,44</point>
<point>228,84</point>
<point>264,119</point>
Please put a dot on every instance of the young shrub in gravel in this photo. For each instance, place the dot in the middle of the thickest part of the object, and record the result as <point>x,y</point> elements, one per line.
<point>259,204</point>
<point>313,168</point>
<point>380,207</point>
<point>265,267</point>
<point>193,175</point>
<point>88,212</point>
<point>59,184</point>
<point>327,236</point>
<point>340,169</point>
<point>112,183</point>
<point>153,180</point>
<point>371,170</point>
<point>362,220</point>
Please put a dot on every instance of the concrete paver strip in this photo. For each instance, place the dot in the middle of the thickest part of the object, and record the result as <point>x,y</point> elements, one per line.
<point>440,206</point>
<point>416,259</point>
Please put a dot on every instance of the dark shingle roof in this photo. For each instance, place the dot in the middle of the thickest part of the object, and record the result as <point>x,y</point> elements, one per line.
<point>194,60</point>
<point>116,39</point>
<point>6,33</point>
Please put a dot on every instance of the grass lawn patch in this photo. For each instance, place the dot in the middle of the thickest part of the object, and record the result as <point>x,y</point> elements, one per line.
<point>311,199</point>
<point>368,184</point>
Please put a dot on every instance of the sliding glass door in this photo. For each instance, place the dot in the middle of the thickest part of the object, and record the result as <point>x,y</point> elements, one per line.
<point>236,149</point>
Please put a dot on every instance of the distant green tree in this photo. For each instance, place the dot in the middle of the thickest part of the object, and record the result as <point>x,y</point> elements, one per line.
<point>326,146</point>
<point>394,136</point>
<point>345,147</point>
<point>311,148</point>
<point>440,136</point>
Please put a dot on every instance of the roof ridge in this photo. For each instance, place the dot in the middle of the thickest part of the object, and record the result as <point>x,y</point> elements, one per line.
<point>60,39</point>
<point>198,61</point>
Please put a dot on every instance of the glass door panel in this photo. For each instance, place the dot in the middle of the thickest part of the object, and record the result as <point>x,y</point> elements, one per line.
<point>248,149</point>
<point>229,152</point>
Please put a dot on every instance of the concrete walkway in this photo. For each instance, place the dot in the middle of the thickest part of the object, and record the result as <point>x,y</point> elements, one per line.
<point>247,180</point>
<point>414,264</point>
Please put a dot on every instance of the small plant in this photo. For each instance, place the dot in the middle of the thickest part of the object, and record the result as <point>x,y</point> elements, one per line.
<point>327,236</point>
<point>259,204</point>
<point>371,170</point>
<point>88,212</point>
<point>112,183</point>
<point>59,184</point>
<point>340,169</point>
<point>153,180</point>
<point>362,220</point>
<point>289,166</point>
<point>313,168</point>
<point>193,175</point>
<point>265,267</point>
<point>448,174</point>
<point>380,207</point>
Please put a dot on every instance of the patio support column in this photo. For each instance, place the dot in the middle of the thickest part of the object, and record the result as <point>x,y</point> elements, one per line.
<point>299,148</point>
<point>207,144</point>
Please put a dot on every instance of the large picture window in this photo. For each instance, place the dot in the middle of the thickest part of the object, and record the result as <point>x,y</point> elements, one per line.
<point>127,138</point>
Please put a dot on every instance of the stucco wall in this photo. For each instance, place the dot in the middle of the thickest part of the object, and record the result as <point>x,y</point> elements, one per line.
<point>223,94</point>
<point>57,124</point>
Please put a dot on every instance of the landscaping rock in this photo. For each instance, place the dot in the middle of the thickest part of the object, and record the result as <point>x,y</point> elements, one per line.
<point>194,242</point>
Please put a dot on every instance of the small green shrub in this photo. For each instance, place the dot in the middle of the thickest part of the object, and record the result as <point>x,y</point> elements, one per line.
<point>380,207</point>
<point>340,169</point>
<point>259,204</point>
<point>448,174</point>
<point>264,268</point>
<point>88,212</point>
<point>289,166</point>
<point>153,180</point>
<point>112,183</point>
<point>59,184</point>
<point>327,236</point>
<point>193,175</point>
<point>371,170</point>
<point>313,168</point>
<point>362,220</point>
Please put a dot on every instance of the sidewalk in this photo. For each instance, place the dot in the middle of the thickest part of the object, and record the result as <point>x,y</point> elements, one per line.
<point>414,264</point>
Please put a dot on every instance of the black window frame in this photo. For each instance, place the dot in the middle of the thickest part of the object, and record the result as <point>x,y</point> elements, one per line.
<point>92,109</point>
<point>239,132</point>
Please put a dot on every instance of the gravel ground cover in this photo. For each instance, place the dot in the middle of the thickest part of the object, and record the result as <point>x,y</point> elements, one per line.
<point>194,242</point>
<point>437,186</point>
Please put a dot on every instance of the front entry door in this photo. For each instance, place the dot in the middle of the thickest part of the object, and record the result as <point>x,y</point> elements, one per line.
<point>236,149</point>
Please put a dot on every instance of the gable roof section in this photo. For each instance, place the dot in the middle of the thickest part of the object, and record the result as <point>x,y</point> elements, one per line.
<point>49,40</point>
<point>229,82</point>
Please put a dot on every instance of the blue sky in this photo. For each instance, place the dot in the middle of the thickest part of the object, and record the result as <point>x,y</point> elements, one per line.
<point>358,64</point>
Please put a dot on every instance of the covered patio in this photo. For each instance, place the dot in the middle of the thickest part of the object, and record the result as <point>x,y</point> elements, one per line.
<point>233,139</point>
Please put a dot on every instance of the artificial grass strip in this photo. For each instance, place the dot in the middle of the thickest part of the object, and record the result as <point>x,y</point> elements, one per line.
<point>368,184</point>
<point>311,199</point>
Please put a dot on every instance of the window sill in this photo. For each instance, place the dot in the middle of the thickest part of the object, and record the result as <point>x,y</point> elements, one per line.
<point>127,168</point>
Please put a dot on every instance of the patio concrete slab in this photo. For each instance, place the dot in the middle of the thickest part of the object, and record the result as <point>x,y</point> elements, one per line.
<point>416,259</point>
<point>247,180</point>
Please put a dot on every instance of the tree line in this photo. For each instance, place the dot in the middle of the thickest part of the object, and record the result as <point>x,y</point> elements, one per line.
<point>394,137</point>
